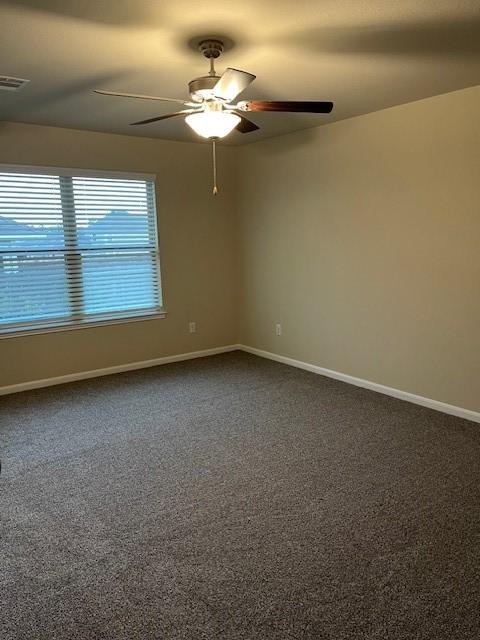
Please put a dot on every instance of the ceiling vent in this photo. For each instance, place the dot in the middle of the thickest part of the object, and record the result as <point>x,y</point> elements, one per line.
<point>12,84</point>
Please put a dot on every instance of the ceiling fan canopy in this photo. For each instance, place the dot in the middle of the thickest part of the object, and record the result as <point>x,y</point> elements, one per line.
<point>211,111</point>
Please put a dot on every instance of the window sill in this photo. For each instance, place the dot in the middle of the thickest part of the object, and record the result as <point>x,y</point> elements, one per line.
<point>22,331</point>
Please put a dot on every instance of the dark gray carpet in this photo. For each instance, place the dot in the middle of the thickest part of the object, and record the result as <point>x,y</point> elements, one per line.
<point>236,498</point>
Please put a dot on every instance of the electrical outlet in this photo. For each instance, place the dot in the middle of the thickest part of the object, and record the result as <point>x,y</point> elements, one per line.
<point>278,329</point>
<point>192,327</point>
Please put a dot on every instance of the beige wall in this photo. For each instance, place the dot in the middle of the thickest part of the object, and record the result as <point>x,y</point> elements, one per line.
<point>196,246</point>
<point>363,239</point>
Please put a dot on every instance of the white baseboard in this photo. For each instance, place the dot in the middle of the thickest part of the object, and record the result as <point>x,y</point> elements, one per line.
<point>460,412</point>
<point>466,414</point>
<point>130,366</point>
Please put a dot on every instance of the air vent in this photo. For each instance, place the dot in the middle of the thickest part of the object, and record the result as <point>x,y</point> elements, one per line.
<point>12,84</point>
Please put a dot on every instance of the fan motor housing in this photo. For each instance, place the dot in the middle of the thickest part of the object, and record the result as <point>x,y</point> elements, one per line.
<point>201,88</point>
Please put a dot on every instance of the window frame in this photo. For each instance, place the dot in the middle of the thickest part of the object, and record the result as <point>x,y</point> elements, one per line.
<point>95,320</point>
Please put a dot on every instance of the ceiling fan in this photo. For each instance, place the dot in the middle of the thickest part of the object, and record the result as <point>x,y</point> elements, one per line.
<point>212,111</point>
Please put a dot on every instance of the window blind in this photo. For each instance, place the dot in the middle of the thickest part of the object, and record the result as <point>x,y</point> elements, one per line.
<point>75,249</point>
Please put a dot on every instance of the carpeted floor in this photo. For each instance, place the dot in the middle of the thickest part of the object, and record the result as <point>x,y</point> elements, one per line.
<point>236,498</point>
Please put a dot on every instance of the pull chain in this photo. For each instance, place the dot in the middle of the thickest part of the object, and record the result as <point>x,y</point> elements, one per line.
<point>214,150</point>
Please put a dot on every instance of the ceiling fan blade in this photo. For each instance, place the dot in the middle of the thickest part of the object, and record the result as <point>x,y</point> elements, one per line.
<point>134,95</point>
<point>245,125</point>
<point>232,83</point>
<point>165,117</point>
<point>290,106</point>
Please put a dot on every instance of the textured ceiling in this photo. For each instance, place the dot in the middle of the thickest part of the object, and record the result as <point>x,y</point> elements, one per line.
<point>364,55</point>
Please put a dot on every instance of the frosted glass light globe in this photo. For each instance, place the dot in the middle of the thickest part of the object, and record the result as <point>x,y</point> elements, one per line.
<point>212,124</point>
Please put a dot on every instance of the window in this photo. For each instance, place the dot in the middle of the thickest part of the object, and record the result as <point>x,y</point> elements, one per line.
<point>76,248</point>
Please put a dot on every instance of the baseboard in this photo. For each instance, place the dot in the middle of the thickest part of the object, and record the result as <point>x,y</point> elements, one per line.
<point>466,414</point>
<point>460,412</point>
<point>130,366</point>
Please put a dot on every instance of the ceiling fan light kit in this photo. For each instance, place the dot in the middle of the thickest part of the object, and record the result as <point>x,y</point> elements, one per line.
<point>213,124</point>
<point>210,112</point>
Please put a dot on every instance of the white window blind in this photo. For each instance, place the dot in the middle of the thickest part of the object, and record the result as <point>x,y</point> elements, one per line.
<point>76,249</point>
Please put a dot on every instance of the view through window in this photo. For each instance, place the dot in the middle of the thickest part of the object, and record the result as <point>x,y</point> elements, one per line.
<point>75,249</point>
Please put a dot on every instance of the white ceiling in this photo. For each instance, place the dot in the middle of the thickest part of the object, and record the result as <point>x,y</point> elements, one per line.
<point>364,55</point>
